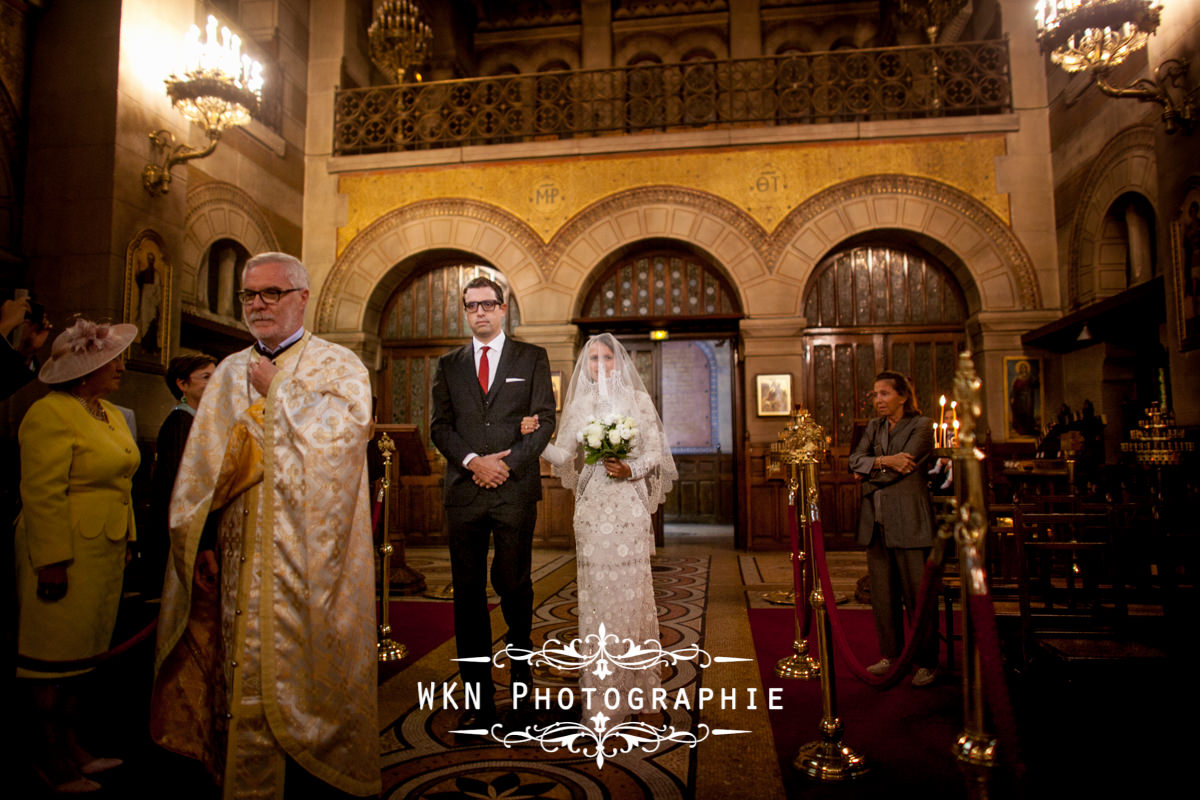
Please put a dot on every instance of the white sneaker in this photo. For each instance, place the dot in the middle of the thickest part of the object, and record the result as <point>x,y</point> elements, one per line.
<point>924,677</point>
<point>881,667</point>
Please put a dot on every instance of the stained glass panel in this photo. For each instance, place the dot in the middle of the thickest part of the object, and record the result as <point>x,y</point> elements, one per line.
<point>823,377</point>
<point>865,361</point>
<point>897,265</point>
<point>844,374</point>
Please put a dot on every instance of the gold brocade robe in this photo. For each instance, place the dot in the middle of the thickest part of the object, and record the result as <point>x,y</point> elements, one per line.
<point>282,658</point>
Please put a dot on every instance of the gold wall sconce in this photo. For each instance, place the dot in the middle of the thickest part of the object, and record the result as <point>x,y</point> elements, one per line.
<point>1098,35</point>
<point>220,89</point>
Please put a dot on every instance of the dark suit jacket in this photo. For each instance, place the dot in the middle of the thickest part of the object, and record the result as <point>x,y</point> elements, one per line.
<point>464,421</point>
<point>904,507</point>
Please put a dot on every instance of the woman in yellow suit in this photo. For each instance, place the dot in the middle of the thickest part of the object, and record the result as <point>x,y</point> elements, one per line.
<point>77,464</point>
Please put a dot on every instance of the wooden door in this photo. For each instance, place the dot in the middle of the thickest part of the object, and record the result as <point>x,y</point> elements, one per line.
<point>871,308</point>
<point>840,372</point>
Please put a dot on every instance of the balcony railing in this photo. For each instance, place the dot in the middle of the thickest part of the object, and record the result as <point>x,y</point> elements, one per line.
<point>843,86</point>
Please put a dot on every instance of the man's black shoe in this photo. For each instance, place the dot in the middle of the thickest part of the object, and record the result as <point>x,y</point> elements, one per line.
<point>475,719</point>
<point>520,673</point>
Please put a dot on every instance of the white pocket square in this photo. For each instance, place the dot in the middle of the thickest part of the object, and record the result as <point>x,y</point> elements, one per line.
<point>514,380</point>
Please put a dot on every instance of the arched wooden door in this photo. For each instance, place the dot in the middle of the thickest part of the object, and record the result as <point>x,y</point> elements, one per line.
<point>672,289</point>
<point>872,308</point>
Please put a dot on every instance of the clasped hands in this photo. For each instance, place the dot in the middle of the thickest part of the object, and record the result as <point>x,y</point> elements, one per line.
<point>903,463</point>
<point>489,471</point>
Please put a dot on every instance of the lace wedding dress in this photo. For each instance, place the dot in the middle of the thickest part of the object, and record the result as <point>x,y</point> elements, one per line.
<point>614,542</point>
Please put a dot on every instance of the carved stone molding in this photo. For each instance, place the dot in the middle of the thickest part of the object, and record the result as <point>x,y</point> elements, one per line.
<point>218,210</point>
<point>761,267</point>
<point>1128,163</point>
<point>986,246</point>
<point>493,234</point>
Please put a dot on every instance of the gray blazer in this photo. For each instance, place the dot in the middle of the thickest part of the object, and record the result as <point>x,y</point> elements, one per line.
<point>899,503</point>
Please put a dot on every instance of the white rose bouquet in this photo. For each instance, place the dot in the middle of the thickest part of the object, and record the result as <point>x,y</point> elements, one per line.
<point>611,436</point>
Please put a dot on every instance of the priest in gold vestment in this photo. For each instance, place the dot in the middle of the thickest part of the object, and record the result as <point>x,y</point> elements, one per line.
<point>265,667</point>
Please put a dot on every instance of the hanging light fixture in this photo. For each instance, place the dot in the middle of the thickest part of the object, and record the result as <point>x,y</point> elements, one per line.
<point>399,38</point>
<point>928,15</point>
<point>1098,35</point>
<point>219,89</point>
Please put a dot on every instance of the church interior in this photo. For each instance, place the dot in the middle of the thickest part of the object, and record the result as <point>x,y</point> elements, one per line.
<point>769,202</point>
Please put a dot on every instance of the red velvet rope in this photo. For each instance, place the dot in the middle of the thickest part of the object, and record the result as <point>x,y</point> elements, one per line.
<point>41,665</point>
<point>925,617</point>
<point>801,582</point>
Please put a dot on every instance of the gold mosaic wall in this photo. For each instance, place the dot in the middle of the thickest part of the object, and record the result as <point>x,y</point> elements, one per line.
<point>767,181</point>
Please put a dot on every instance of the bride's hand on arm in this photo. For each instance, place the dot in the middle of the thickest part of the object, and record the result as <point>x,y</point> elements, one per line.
<point>617,468</point>
<point>529,425</point>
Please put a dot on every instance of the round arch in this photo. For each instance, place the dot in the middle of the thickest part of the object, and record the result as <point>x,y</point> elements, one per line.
<point>979,248</point>
<point>218,210</point>
<point>722,233</point>
<point>385,252</point>
<point>1126,165</point>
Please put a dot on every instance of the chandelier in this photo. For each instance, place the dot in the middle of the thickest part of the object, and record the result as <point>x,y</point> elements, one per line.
<point>1099,35</point>
<point>220,89</point>
<point>399,38</point>
<point>928,15</point>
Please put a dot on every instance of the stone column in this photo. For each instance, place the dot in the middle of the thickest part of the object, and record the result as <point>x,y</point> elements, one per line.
<point>745,29</point>
<point>596,36</point>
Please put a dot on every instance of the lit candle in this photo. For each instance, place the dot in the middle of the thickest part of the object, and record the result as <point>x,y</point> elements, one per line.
<point>954,438</point>
<point>943,434</point>
<point>935,435</point>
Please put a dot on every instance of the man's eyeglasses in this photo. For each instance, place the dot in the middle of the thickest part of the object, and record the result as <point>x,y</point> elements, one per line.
<point>486,305</point>
<point>269,296</point>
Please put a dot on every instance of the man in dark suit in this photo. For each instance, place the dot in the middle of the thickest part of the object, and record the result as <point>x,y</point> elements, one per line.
<point>493,481</point>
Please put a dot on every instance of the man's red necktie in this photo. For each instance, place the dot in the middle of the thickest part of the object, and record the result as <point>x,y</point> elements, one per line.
<point>483,369</point>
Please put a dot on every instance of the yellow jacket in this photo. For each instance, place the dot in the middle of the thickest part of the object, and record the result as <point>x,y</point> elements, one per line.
<point>76,477</point>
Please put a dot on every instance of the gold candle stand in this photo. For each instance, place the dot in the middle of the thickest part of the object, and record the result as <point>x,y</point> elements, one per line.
<point>387,649</point>
<point>794,442</point>
<point>828,758</point>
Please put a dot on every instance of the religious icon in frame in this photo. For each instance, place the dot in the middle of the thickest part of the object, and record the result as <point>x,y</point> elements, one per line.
<point>148,300</point>
<point>774,395</point>
<point>1023,399</point>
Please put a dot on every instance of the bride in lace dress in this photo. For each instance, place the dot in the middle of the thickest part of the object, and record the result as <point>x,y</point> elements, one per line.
<point>613,537</point>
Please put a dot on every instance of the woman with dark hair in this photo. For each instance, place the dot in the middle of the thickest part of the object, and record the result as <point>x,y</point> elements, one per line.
<point>186,378</point>
<point>77,464</point>
<point>895,519</point>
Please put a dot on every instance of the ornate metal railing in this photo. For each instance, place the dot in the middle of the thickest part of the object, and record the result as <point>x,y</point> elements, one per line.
<point>842,86</point>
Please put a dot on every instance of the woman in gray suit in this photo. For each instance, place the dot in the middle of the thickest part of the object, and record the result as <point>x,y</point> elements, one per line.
<point>895,520</point>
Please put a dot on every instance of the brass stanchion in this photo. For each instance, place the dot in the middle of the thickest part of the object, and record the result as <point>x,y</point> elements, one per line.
<point>790,450</point>
<point>388,650</point>
<point>975,748</point>
<point>828,758</point>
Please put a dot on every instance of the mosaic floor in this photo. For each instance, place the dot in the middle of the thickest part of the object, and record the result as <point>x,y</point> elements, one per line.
<point>422,759</point>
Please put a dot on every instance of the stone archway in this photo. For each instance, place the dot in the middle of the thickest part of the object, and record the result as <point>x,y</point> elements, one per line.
<point>216,211</point>
<point>730,237</point>
<point>349,301</point>
<point>981,250</point>
<point>1127,164</point>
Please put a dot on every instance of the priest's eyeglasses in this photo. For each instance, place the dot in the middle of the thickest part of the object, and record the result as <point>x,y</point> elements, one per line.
<point>269,296</point>
<point>486,305</point>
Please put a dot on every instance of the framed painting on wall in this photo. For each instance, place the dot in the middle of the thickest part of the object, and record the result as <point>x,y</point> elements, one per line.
<point>556,385</point>
<point>148,300</point>
<point>1022,398</point>
<point>774,393</point>
<point>1185,266</point>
